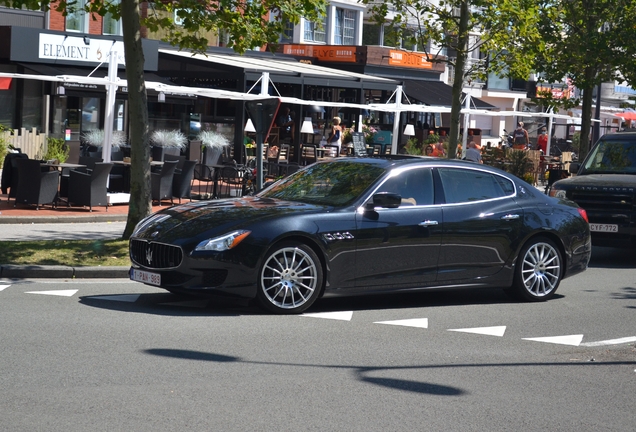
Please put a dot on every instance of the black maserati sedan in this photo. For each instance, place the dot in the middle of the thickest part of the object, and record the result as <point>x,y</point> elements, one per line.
<point>352,226</point>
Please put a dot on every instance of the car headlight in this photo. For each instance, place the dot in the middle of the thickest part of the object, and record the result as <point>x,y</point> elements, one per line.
<point>557,193</point>
<point>223,243</point>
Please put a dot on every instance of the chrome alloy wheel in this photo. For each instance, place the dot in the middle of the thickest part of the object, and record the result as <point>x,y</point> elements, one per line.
<point>290,278</point>
<point>541,269</point>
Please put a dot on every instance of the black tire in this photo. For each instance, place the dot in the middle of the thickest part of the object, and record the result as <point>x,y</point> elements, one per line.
<point>290,279</point>
<point>538,271</point>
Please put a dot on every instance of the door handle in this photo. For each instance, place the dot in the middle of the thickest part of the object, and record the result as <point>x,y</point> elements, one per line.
<point>510,217</point>
<point>428,223</point>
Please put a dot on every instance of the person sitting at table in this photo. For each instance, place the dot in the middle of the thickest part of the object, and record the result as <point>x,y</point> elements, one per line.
<point>472,154</point>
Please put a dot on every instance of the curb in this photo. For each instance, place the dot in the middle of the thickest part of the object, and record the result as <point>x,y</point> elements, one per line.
<point>62,272</point>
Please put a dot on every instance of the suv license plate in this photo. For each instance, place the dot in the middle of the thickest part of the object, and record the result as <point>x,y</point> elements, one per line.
<point>145,277</point>
<point>603,227</point>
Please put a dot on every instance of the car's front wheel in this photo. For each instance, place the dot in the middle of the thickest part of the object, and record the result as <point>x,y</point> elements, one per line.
<point>290,279</point>
<point>538,271</point>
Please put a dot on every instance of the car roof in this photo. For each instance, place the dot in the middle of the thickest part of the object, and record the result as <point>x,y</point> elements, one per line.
<point>620,136</point>
<point>396,161</point>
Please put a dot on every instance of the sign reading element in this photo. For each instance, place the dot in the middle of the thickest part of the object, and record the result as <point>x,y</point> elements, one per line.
<point>409,59</point>
<point>60,47</point>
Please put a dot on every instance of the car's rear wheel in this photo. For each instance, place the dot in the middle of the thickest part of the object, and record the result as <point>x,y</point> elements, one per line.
<point>290,279</point>
<point>538,271</point>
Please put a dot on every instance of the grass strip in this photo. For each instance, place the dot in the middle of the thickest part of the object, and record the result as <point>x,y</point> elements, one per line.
<point>65,252</point>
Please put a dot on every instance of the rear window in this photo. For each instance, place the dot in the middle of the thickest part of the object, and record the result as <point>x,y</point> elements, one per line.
<point>462,185</point>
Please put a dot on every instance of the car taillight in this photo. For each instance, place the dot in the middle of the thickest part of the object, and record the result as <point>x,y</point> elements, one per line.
<point>583,214</point>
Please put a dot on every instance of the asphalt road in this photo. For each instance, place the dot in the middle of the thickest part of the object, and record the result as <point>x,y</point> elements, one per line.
<point>106,355</point>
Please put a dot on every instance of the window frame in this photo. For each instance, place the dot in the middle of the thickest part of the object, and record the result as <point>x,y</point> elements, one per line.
<point>82,19</point>
<point>341,18</point>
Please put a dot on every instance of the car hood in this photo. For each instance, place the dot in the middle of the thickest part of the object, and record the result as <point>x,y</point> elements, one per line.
<point>600,181</point>
<point>202,219</point>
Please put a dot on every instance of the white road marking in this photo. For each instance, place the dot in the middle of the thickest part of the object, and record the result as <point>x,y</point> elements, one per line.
<point>415,322</point>
<point>489,331</point>
<point>130,298</point>
<point>63,293</point>
<point>574,340</point>
<point>343,316</point>
<point>3,287</point>
<point>610,342</point>
<point>193,303</point>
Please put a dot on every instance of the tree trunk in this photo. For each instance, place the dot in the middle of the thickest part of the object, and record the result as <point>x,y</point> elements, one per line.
<point>458,80</point>
<point>140,194</point>
<point>586,114</point>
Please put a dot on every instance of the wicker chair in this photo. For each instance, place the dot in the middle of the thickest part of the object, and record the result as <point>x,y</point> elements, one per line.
<point>89,190</point>
<point>161,183</point>
<point>182,181</point>
<point>34,186</point>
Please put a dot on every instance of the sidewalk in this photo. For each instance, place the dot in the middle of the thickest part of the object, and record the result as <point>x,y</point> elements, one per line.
<point>66,217</point>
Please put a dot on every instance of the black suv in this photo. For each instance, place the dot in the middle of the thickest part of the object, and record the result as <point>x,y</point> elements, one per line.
<point>605,186</point>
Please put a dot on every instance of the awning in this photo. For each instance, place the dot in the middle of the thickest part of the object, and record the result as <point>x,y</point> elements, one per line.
<point>437,93</point>
<point>287,70</point>
<point>627,115</point>
<point>59,70</point>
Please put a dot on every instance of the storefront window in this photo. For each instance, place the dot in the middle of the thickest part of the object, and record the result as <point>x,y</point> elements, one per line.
<point>32,104</point>
<point>7,99</point>
<point>90,114</point>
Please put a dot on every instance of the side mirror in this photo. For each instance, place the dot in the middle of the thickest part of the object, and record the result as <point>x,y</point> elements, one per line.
<point>385,200</point>
<point>574,167</point>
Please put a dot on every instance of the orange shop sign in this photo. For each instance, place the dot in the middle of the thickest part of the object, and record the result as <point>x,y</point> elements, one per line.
<point>325,53</point>
<point>409,59</point>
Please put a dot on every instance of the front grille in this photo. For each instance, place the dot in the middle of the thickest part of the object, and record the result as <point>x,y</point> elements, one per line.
<point>607,207</point>
<point>155,255</point>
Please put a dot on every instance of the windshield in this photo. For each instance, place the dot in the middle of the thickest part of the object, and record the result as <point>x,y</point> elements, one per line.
<point>330,184</point>
<point>612,157</point>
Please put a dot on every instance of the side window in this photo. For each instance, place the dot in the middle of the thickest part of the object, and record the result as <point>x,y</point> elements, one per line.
<point>415,186</point>
<point>464,185</point>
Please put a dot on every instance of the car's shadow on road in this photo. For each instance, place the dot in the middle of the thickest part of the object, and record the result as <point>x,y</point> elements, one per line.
<point>168,304</point>
<point>433,298</point>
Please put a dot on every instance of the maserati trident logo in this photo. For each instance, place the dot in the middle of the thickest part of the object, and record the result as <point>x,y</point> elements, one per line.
<point>149,256</point>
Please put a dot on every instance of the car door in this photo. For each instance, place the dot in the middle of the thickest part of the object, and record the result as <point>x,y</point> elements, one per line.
<point>482,223</point>
<point>398,247</point>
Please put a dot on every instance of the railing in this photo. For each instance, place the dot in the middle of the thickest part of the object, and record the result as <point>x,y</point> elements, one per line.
<point>29,142</point>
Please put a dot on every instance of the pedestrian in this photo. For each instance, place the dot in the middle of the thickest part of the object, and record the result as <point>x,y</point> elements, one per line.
<point>542,141</point>
<point>472,154</point>
<point>520,138</point>
<point>286,124</point>
<point>335,138</point>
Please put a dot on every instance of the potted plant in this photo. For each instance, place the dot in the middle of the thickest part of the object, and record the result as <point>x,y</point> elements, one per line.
<point>56,150</point>
<point>167,142</point>
<point>95,138</point>
<point>4,145</point>
<point>213,144</point>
